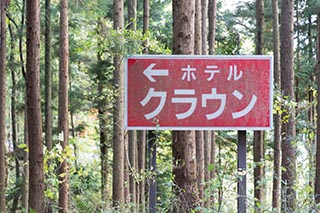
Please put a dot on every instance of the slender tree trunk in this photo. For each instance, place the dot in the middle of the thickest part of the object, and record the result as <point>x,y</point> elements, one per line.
<point>276,117</point>
<point>3,90</point>
<point>183,142</point>
<point>104,150</point>
<point>26,171</point>
<point>118,134</point>
<point>48,77</point>
<point>132,139</point>
<point>199,134</point>
<point>211,41</point>
<point>141,134</point>
<point>15,201</point>
<point>288,195</point>
<point>317,179</point>
<point>197,28</point>
<point>34,119</point>
<point>48,86</point>
<point>212,25</point>
<point>258,139</point>
<point>63,123</point>
<point>204,26</point>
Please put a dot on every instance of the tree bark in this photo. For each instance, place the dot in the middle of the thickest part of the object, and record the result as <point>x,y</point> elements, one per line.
<point>183,142</point>
<point>48,77</point>
<point>258,139</point>
<point>212,25</point>
<point>317,178</point>
<point>34,119</point>
<point>3,92</point>
<point>276,116</point>
<point>118,134</point>
<point>63,123</point>
<point>288,195</point>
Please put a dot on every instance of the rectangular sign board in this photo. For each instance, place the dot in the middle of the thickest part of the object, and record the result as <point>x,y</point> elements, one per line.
<point>181,92</point>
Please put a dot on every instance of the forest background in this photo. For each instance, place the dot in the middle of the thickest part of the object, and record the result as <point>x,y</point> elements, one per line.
<point>62,66</point>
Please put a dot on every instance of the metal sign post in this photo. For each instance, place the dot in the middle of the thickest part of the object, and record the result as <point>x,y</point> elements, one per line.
<point>242,166</point>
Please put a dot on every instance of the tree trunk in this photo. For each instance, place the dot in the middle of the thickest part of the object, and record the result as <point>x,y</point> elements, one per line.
<point>63,123</point>
<point>276,116</point>
<point>34,119</point>
<point>317,180</point>
<point>258,139</point>
<point>183,142</point>
<point>197,28</point>
<point>211,41</point>
<point>48,77</point>
<point>212,25</point>
<point>3,90</point>
<point>118,135</point>
<point>132,139</point>
<point>48,86</point>
<point>204,26</point>
<point>288,126</point>
<point>199,134</point>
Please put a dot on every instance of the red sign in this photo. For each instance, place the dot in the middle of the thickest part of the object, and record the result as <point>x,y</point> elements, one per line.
<point>198,92</point>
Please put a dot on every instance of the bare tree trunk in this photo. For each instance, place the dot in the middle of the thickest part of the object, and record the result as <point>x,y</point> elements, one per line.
<point>48,77</point>
<point>3,93</point>
<point>199,134</point>
<point>288,195</point>
<point>183,143</point>
<point>63,123</point>
<point>34,119</point>
<point>48,87</point>
<point>276,117</point>
<point>258,139</point>
<point>317,179</point>
<point>118,134</point>
<point>204,26</point>
<point>212,25</point>
<point>211,41</point>
<point>198,28</point>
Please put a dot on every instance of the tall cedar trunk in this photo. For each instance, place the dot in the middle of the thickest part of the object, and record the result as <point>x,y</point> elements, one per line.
<point>212,10</point>
<point>204,26</point>
<point>104,151</point>
<point>199,134</point>
<point>317,179</point>
<point>63,123</point>
<point>13,117</point>
<point>48,85</point>
<point>132,16</point>
<point>48,77</point>
<point>3,88</point>
<point>118,135</point>
<point>288,126</point>
<point>212,25</point>
<point>34,119</point>
<point>258,139</point>
<point>197,28</point>
<point>26,171</point>
<point>183,142</point>
<point>276,117</point>
<point>141,134</point>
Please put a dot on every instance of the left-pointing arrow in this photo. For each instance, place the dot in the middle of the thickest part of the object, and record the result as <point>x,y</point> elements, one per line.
<point>149,72</point>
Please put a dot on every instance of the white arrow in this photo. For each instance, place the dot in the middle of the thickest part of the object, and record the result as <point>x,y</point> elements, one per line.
<point>149,72</point>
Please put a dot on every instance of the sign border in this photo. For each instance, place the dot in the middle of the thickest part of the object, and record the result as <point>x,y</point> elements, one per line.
<point>229,57</point>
